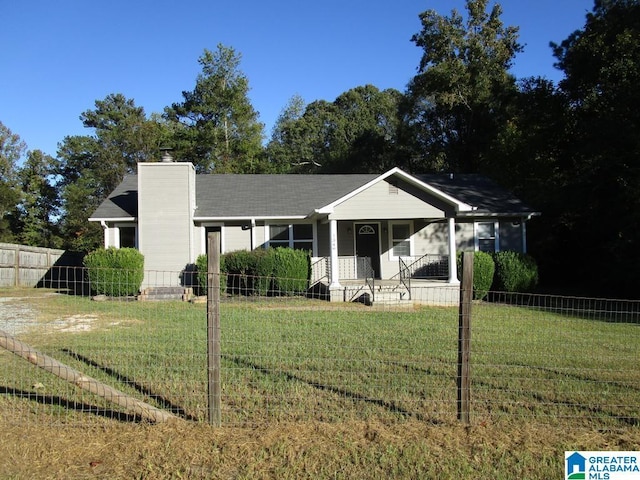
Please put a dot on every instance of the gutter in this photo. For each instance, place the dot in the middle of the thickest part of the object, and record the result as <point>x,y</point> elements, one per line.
<point>475,214</point>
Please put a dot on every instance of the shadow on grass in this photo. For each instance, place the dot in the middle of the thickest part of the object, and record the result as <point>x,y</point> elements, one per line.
<point>542,400</point>
<point>598,309</point>
<point>162,401</point>
<point>54,400</point>
<point>390,406</point>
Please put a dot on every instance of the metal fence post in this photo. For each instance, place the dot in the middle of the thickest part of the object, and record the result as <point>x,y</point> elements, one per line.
<point>464,338</point>
<point>213,328</point>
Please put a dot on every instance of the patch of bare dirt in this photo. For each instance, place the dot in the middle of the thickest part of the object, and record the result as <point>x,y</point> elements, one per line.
<point>17,315</point>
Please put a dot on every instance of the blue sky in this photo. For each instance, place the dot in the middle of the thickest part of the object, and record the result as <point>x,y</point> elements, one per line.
<point>59,57</point>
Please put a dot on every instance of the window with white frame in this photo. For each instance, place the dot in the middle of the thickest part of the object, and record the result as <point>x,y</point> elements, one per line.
<point>126,236</point>
<point>487,236</point>
<point>298,236</point>
<point>400,239</point>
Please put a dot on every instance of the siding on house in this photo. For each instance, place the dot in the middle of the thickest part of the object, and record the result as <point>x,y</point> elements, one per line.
<point>236,238</point>
<point>232,236</point>
<point>464,237</point>
<point>385,201</point>
<point>431,238</point>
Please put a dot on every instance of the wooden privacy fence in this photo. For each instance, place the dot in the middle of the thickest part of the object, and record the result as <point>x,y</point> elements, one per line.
<point>25,266</point>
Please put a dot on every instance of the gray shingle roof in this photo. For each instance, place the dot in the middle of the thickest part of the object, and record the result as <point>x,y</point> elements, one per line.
<point>246,196</point>
<point>122,202</point>
<point>478,191</point>
<point>271,195</point>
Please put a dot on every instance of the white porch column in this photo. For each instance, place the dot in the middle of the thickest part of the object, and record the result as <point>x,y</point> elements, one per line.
<point>333,239</point>
<point>453,268</point>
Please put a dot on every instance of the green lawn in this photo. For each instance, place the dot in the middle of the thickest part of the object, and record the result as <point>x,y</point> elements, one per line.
<point>302,360</point>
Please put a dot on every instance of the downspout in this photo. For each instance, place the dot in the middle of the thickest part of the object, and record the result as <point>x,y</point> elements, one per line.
<point>523,231</point>
<point>253,234</point>
<point>453,267</point>
<point>105,233</point>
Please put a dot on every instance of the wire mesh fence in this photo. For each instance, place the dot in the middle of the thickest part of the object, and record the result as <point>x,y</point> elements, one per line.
<point>286,356</point>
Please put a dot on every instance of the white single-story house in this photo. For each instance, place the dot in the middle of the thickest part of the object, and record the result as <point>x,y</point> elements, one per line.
<point>355,225</point>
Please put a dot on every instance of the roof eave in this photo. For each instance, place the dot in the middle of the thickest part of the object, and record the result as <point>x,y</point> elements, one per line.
<point>249,217</point>
<point>484,214</point>
<point>112,219</point>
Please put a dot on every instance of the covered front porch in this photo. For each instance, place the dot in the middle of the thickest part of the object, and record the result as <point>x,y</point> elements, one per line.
<point>420,279</point>
<point>392,245</point>
<point>384,257</point>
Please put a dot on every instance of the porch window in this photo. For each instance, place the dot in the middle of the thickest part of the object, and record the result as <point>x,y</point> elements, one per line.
<point>486,237</point>
<point>298,236</point>
<point>126,237</point>
<point>400,239</point>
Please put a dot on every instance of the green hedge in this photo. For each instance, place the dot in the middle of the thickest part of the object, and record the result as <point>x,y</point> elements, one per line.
<point>269,271</point>
<point>515,272</point>
<point>115,272</point>
<point>291,270</point>
<point>483,272</point>
<point>201,271</point>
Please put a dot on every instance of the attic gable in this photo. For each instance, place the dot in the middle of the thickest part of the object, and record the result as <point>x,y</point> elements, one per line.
<point>425,192</point>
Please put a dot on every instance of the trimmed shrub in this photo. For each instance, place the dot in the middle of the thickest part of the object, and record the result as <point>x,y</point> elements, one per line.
<point>291,270</point>
<point>241,271</point>
<point>264,261</point>
<point>202,265</point>
<point>483,273</point>
<point>115,272</point>
<point>260,272</point>
<point>515,272</point>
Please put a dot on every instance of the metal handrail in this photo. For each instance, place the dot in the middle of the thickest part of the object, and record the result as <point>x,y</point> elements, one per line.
<point>427,266</point>
<point>405,276</point>
<point>370,277</point>
<point>321,264</point>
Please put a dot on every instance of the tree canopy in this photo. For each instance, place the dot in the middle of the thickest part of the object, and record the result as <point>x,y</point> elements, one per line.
<point>219,130</point>
<point>91,166</point>
<point>459,100</point>
<point>355,133</point>
<point>601,162</point>
<point>11,149</point>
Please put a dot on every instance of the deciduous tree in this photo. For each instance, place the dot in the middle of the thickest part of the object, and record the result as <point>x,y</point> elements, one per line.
<point>357,132</point>
<point>601,63</point>
<point>459,99</point>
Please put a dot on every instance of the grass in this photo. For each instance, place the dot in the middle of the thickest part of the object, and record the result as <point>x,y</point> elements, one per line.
<point>312,389</point>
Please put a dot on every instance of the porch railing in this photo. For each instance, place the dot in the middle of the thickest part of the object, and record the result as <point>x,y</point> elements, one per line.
<point>347,268</point>
<point>319,270</point>
<point>429,266</point>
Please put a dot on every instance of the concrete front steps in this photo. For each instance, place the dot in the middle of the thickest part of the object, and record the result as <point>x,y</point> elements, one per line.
<point>166,293</point>
<point>381,295</point>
